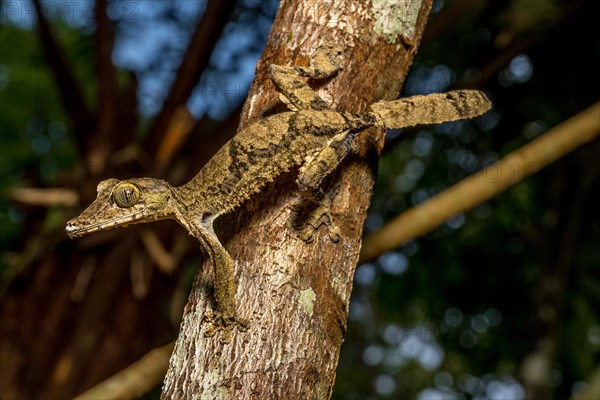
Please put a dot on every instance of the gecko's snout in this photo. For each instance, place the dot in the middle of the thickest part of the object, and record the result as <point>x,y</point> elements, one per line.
<point>71,230</point>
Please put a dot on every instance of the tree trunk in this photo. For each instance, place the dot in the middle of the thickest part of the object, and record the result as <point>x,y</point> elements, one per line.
<point>296,294</point>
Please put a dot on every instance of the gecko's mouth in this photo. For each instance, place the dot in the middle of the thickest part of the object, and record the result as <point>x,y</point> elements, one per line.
<point>76,228</point>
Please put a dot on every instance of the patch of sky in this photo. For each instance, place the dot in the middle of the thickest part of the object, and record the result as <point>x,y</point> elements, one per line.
<point>419,196</point>
<point>374,221</point>
<point>438,394</point>
<point>494,317</point>
<point>456,221</point>
<point>413,170</point>
<point>373,355</point>
<point>443,380</point>
<point>360,309</point>
<point>392,334</point>
<point>392,134</point>
<point>423,144</point>
<point>487,121</point>
<point>504,389</point>
<point>470,384</point>
<point>219,92</point>
<point>489,159</point>
<point>410,248</point>
<point>394,358</point>
<point>519,70</point>
<point>465,159</point>
<point>431,357</point>
<point>384,385</point>
<point>393,262</point>
<point>453,317</point>
<point>452,128</point>
<point>22,13</point>
<point>417,344</point>
<point>426,80</point>
<point>479,323</point>
<point>365,275</point>
<point>437,6</point>
<point>467,339</point>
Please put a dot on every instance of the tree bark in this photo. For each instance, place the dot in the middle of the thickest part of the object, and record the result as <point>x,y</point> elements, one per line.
<point>297,294</point>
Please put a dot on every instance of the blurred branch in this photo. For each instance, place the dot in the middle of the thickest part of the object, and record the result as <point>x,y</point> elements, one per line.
<point>45,197</point>
<point>100,147</point>
<point>135,380</point>
<point>179,127</point>
<point>70,92</point>
<point>194,62</point>
<point>482,186</point>
<point>165,261</point>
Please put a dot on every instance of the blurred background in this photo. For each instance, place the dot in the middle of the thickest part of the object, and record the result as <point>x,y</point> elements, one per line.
<point>486,306</point>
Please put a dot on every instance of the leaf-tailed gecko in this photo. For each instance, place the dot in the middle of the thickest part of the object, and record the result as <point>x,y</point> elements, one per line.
<point>311,137</point>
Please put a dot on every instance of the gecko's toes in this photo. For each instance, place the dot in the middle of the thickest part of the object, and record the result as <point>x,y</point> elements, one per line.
<point>215,323</point>
<point>306,223</point>
<point>334,233</point>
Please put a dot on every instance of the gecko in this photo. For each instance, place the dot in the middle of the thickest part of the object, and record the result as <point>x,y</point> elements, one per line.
<point>311,138</point>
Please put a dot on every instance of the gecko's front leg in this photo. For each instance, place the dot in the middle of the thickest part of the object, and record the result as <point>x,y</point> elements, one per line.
<point>224,317</point>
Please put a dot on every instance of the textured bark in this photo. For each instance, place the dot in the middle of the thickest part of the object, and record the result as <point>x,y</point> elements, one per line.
<point>296,294</point>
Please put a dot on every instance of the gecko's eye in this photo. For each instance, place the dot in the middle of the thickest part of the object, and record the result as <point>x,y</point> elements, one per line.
<point>126,194</point>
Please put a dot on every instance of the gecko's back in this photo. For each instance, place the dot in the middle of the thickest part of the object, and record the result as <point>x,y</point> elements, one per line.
<point>258,155</point>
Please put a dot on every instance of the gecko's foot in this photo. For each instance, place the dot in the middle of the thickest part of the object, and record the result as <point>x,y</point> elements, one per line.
<point>216,322</point>
<point>327,59</point>
<point>307,221</point>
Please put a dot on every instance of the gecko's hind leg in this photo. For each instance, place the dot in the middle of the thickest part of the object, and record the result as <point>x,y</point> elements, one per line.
<point>309,214</point>
<point>294,91</point>
<point>314,209</point>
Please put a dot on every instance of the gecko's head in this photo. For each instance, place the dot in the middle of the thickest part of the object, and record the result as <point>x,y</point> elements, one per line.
<point>121,203</point>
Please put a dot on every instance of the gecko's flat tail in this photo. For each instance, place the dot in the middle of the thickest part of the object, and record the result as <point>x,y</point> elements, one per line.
<point>431,109</point>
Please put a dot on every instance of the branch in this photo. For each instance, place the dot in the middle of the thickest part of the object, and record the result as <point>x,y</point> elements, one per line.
<point>178,130</point>
<point>135,380</point>
<point>482,186</point>
<point>194,62</point>
<point>70,92</point>
<point>45,197</point>
<point>100,146</point>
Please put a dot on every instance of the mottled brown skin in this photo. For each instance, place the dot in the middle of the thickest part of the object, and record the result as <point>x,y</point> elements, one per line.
<point>312,137</point>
